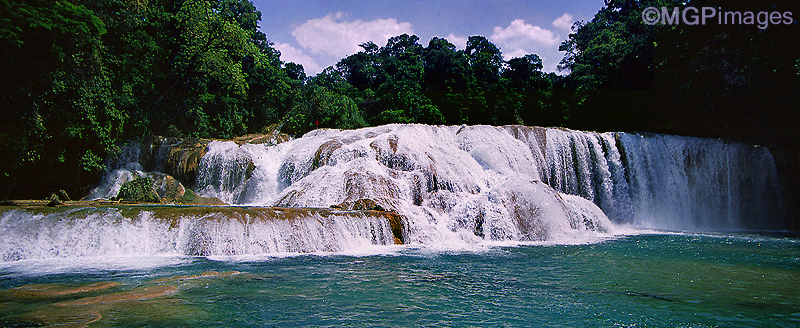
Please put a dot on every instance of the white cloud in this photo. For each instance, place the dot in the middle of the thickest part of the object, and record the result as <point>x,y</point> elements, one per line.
<point>520,33</point>
<point>330,35</point>
<point>564,22</point>
<point>520,39</point>
<point>458,41</point>
<point>292,54</point>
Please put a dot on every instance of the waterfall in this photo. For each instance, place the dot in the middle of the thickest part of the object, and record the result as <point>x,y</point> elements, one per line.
<point>694,183</point>
<point>452,183</point>
<point>111,231</point>
<point>445,184</point>
<point>667,182</point>
<point>122,169</point>
<point>645,180</point>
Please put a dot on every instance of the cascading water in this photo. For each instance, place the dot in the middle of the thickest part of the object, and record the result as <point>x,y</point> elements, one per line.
<point>463,185</point>
<point>667,182</point>
<point>122,231</point>
<point>693,183</point>
<point>124,168</point>
<point>650,181</point>
<point>451,183</point>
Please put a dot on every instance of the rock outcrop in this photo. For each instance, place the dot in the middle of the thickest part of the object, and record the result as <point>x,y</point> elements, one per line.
<point>179,158</point>
<point>263,138</point>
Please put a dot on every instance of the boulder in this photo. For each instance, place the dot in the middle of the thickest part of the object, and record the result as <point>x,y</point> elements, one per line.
<point>139,190</point>
<point>323,154</point>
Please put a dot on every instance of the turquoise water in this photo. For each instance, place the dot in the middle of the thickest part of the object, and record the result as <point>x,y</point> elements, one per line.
<point>648,280</point>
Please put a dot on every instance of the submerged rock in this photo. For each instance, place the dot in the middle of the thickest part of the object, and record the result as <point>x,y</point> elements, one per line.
<point>137,294</point>
<point>55,290</point>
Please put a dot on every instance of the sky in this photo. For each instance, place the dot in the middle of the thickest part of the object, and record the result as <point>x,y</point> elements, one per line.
<point>317,34</point>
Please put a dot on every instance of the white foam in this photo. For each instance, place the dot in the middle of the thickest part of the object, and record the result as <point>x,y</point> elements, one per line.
<point>447,181</point>
<point>455,188</point>
<point>91,264</point>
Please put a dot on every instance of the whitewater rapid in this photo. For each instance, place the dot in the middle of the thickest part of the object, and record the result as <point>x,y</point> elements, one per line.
<point>644,180</point>
<point>450,186</point>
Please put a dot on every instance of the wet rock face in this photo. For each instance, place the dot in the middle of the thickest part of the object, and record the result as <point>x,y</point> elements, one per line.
<point>168,188</point>
<point>179,158</point>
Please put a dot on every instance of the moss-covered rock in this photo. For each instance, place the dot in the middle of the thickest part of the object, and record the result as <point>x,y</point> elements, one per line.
<point>189,197</point>
<point>138,190</point>
<point>177,157</point>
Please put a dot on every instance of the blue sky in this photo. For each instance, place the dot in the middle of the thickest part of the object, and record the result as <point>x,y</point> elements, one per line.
<point>317,34</point>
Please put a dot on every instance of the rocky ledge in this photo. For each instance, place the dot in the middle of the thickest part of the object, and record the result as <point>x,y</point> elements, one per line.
<point>203,215</point>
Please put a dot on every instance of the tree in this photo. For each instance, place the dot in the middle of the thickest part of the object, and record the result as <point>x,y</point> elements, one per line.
<point>485,60</point>
<point>721,80</point>
<point>318,107</point>
<point>525,92</point>
<point>360,69</point>
<point>400,83</point>
<point>59,120</point>
<point>81,76</point>
<point>448,79</point>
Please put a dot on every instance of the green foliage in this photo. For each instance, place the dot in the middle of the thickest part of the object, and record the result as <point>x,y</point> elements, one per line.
<point>81,76</point>
<point>730,80</point>
<point>58,111</point>
<point>138,190</point>
<point>318,107</point>
<point>448,79</point>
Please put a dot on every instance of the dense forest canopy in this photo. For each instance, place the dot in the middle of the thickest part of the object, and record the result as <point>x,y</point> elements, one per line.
<point>81,77</point>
